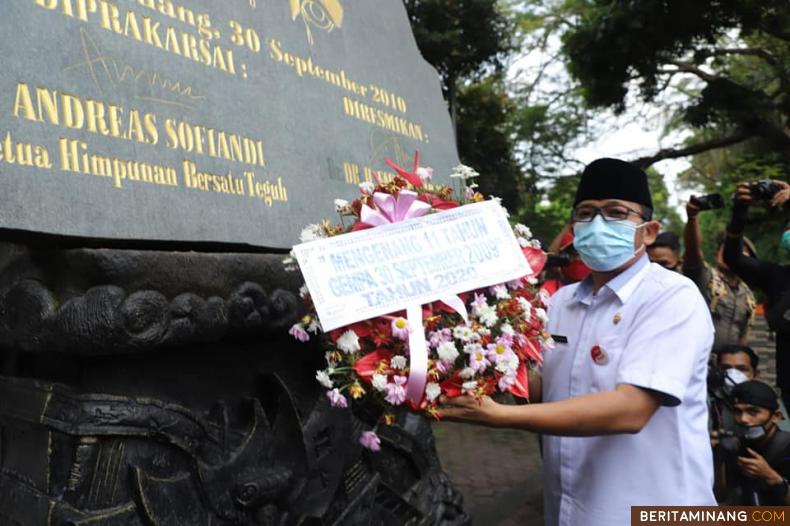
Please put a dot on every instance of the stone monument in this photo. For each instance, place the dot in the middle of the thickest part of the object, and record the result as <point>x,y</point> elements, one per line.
<point>157,158</point>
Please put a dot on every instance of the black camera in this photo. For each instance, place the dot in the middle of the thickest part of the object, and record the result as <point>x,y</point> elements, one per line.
<point>763,190</point>
<point>708,202</point>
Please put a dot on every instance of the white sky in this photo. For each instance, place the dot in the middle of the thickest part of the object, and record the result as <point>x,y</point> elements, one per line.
<point>627,136</point>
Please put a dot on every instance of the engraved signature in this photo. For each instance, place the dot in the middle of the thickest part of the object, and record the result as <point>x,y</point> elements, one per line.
<point>105,68</point>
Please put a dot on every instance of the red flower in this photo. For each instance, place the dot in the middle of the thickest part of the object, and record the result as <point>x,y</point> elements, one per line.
<point>521,387</point>
<point>536,259</point>
<point>367,366</point>
<point>438,203</point>
<point>452,386</point>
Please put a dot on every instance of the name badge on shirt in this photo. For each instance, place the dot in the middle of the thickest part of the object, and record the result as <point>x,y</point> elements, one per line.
<point>599,355</point>
<point>558,338</point>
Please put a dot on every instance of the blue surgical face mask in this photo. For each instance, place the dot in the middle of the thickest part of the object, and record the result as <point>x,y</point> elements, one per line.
<point>605,245</point>
<point>786,240</point>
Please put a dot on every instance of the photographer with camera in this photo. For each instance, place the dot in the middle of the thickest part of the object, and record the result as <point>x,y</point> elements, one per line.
<point>729,299</point>
<point>773,279</point>
<point>564,266</point>
<point>758,453</point>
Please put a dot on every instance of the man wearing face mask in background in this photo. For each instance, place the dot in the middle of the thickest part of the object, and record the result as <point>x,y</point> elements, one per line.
<point>759,455</point>
<point>572,271</point>
<point>665,251</point>
<point>624,388</point>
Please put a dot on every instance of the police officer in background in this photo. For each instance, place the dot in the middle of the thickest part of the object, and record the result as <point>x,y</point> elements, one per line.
<point>730,300</point>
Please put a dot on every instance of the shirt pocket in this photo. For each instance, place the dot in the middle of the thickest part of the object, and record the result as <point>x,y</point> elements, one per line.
<point>604,359</point>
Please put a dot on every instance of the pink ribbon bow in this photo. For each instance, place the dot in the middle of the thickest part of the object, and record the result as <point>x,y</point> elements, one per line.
<point>392,209</point>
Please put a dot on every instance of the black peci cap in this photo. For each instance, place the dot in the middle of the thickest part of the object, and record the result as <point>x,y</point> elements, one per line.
<point>757,393</point>
<point>608,178</point>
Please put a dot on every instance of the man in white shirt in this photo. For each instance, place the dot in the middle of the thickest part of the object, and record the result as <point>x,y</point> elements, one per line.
<point>624,413</point>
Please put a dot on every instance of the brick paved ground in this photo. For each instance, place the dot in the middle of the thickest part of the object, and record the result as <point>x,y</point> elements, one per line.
<point>499,470</point>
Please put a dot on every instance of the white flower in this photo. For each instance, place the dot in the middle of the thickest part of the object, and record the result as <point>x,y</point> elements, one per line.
<point>463,333</point>
<point>541,315</point>
<point>467,372</point>
<point>487,315</point>
<point>367,187</point>
<point>379,382</point>
<point>311,233</point>
<point>314,326</point>
<point>342,206</point>
<point>303,291</point>
<point>432,391</point>
<point>523,242</point>
<point>527,307</point>
<point>463,172</point>
<point>398,362</point>
<point>508,366</point>
<point>289,262</point>
<point>470,386</point>
<point>501,292</point>
<point>323,379</point>
<point>506,328</point>
<point>532,280</point>
<point>447,352</point>
<point>348,342</point>
<point>471,348</point>
<point>523,231</point>
<point>425,174</point>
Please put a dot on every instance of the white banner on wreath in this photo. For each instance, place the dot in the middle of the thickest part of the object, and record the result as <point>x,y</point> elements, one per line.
<point>368,273</point>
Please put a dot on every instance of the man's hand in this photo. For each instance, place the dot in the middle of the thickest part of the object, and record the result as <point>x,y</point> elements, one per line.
<point>742,193</point>
<point>781,197</point>
<point>469,409</point>
<point>714,438</point>
<point>691,208</point>
<point>755,466</point>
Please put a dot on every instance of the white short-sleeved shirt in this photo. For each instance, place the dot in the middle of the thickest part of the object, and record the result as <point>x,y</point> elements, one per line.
<point>650,328</point>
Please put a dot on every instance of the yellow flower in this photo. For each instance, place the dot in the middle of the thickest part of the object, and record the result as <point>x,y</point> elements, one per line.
<point>389,419</point>
<point>356,390</point>
<point>306,320</point>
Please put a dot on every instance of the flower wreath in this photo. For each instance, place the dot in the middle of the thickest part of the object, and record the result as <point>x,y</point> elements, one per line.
<point>491,351</point>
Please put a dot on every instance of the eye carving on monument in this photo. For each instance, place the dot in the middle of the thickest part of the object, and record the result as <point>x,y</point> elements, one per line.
<point>323,14</point>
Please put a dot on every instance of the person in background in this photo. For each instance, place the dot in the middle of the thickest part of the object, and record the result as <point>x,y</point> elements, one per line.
<point>665,251</point>
<point>742,358</point>
<point>759,454</point>
<point>570,268</point>
<point>734,364</point>
<point>730,300</point>
<point>624,410</point>
<point>771,278</point>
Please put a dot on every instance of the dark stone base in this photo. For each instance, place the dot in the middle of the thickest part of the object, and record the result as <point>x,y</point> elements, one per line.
<point>152,388</point>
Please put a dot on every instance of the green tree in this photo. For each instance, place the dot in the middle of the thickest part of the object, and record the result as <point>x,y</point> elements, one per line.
<point>729,65</point>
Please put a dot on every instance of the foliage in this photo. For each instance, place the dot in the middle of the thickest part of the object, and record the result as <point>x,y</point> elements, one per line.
<point>461,38</point>
<point>730,65</point>
<point>719,171</point>
<point>486,139</point>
